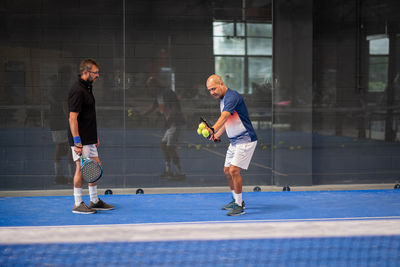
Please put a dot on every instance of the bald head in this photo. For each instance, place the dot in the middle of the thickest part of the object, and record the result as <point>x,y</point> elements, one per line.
<point>216,87</point>
<point>214,79</point>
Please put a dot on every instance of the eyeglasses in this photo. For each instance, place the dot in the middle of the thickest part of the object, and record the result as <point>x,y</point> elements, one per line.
<point>94,72</point>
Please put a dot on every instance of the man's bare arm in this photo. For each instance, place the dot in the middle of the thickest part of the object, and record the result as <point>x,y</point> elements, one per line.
<point>221,121</point>
<point>220,132</point>
<point>73,123</point>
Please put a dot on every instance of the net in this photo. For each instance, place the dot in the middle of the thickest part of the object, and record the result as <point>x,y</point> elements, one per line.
<point>347,251</point>
<point>301,243</point>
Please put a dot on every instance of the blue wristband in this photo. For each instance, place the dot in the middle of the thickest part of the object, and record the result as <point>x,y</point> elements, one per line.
<point>77,139</point>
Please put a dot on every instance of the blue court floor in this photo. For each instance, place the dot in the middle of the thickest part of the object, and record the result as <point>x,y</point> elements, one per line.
<point>338,236</point>
<point>202,207</point>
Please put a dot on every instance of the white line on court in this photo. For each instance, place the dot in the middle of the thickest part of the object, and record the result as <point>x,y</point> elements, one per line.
<point>198,231</point>
<point>223,155</point>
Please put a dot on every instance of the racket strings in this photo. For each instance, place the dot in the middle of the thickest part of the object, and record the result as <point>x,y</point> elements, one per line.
<point>91,171</point>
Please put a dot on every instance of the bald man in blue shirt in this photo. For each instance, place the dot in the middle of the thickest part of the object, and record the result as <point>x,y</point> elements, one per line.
<point>235,121</point>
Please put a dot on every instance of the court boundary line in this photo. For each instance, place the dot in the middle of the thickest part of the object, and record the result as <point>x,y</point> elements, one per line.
<point>223,156</point>
<point>199,232</point>
<point>219,222</point>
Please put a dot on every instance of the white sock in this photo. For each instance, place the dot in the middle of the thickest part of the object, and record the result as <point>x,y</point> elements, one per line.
<point>57,168</point>
<point>238,199</point>
<point>93,193</point>
<point>167,167</point>
<point>233,194</point>
<point>77,196</point>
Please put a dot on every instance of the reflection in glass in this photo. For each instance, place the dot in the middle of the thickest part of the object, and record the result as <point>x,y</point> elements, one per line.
<point>260,72</point>
<point>259,46</point>
<point>259,29</point>
<point>378,63</point>
<point>131,44</point>
<point>253,43</point>
<point>223,28</point>
<point>228,46</point>
<point>232,71</point>
<point>379,46</point>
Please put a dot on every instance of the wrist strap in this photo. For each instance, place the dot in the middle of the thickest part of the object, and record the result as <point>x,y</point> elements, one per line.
<point>77,139</point>
<point>78,145</point>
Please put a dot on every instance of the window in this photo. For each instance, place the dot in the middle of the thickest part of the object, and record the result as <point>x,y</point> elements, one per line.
<point>243,53</point>
<point>378,63</point>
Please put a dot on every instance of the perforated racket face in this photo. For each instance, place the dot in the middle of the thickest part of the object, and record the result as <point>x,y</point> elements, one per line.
<point>91,171</point>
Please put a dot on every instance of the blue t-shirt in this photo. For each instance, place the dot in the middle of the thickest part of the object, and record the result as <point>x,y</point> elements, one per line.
<point>238,126</point>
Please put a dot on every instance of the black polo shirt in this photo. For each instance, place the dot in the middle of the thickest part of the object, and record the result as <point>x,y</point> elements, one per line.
<point>81,100</point>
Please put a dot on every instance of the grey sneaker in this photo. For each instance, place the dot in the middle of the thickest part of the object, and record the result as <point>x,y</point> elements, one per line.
<point>83,209</point>
<point>236,210</point>
<point>229,206</point>
<point>100,205</point>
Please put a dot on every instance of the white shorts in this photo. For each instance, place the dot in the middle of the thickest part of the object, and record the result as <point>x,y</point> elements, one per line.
<point>172,135</point>
<point>240,155</point>
<point>88,151</point>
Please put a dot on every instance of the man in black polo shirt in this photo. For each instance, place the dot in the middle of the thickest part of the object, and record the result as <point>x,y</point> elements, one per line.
<point>82,133</point>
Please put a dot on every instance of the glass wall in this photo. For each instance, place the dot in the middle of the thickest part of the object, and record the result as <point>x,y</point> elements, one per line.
<point>356,95</point>
<point>41,46</point>
<point>336,81</point>
<point>320,80</point>
<point>172,42</point>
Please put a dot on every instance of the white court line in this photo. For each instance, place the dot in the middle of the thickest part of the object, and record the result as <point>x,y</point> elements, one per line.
<point>216,222</point>
<point>198,231</point>
<point>223,156</point>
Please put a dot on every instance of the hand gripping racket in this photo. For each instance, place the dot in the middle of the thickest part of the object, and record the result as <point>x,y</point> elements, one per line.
<point>216,140</point>
<point>90,169</point>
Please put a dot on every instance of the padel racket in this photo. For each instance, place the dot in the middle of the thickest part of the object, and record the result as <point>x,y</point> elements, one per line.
<point>90,169</point>
<point>212,129</point>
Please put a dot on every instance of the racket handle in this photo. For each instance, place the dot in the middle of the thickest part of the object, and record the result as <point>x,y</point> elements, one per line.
<point>217,140</point>
<point>83,158</point>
